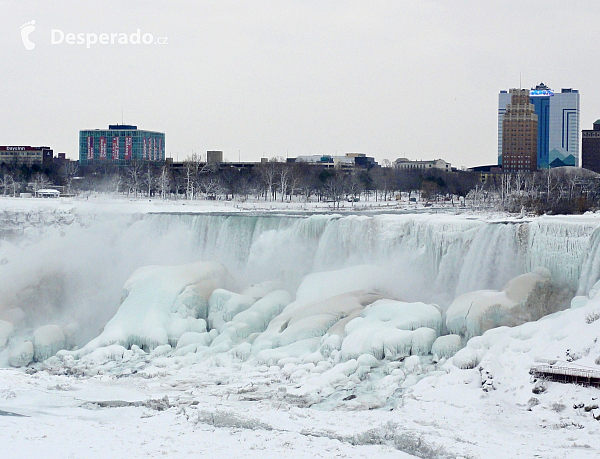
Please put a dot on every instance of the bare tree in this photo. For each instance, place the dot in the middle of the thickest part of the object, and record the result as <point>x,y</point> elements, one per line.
<point>268,173</point>
<point>164,182</point>
<point>284,179</point>
<point>148,178</point>
<point>69,171</point>
<point>39,182</point>
<point>134,177</point>
<point>335,188</point>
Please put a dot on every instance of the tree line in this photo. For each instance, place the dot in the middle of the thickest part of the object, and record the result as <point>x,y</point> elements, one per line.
<point>554,191</point>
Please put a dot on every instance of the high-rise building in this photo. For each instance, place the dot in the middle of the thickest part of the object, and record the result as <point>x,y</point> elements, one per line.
<point>519,133</point>
<point>121,143</point>
<point>590,148</point>
<point>558,125</point>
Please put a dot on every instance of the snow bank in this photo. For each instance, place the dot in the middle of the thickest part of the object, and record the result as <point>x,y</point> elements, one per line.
<point>161,304</point>
<point>525,298</point>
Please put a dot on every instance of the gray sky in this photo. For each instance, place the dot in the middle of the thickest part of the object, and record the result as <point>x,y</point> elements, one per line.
<point>399,78</point>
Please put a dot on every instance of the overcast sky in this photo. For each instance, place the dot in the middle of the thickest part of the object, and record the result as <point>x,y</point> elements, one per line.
<point>416,79</point>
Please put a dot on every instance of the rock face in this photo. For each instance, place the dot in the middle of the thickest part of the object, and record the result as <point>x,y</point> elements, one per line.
<point>525,298</point>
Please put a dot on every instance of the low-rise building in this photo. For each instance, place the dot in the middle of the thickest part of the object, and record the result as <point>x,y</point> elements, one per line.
<point>28,155</point>
<point>348,161</point>
<point>439,164</point>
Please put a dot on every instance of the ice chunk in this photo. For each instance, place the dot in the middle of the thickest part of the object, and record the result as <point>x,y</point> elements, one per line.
<point>21,355</point>
<point>47,340</point>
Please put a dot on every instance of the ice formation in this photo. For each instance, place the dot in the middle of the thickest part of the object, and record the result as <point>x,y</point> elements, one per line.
<point>160,305</point>
<point>523,299</point>
<point>21,354</point>
<point>6,331</point>
<point>47,341</point>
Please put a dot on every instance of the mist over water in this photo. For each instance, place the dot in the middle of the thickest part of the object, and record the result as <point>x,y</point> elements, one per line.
<point>62,270</point>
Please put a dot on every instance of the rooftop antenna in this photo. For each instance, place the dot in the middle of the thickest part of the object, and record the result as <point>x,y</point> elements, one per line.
<point>520,85</point>
<point>122,117</point>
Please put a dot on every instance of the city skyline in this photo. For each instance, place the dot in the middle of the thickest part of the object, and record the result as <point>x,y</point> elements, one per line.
<point>284,79</point>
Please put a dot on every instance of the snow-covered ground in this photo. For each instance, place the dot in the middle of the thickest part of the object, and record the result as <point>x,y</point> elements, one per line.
<point>279,331</point>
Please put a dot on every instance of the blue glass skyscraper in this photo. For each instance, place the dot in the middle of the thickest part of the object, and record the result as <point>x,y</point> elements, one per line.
<point>558,125</point>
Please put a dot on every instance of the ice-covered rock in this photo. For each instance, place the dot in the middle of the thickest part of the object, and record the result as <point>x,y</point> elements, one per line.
<point>159,307</point>
<point>6,330</point>
<point>303,320</point>
<point>328,284</point>
<point>180,326</point>
<point>466,358</point>
<point>252,320</point>
<point>384,330</point>
<point>422,341</point>
<point>406,316</point>
<point>71,331</point>
<point>21,355</point>
<point>47,341</point>
<point>224,305</point>
<point>446,346</point>
<point>188,338</point>
<point>377,338</point>
<point>523,299</point>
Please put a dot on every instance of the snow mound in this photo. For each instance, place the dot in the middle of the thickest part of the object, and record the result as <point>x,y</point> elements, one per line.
<point>524,298</point>
<point>47,341</point>
<point>161,304</point>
